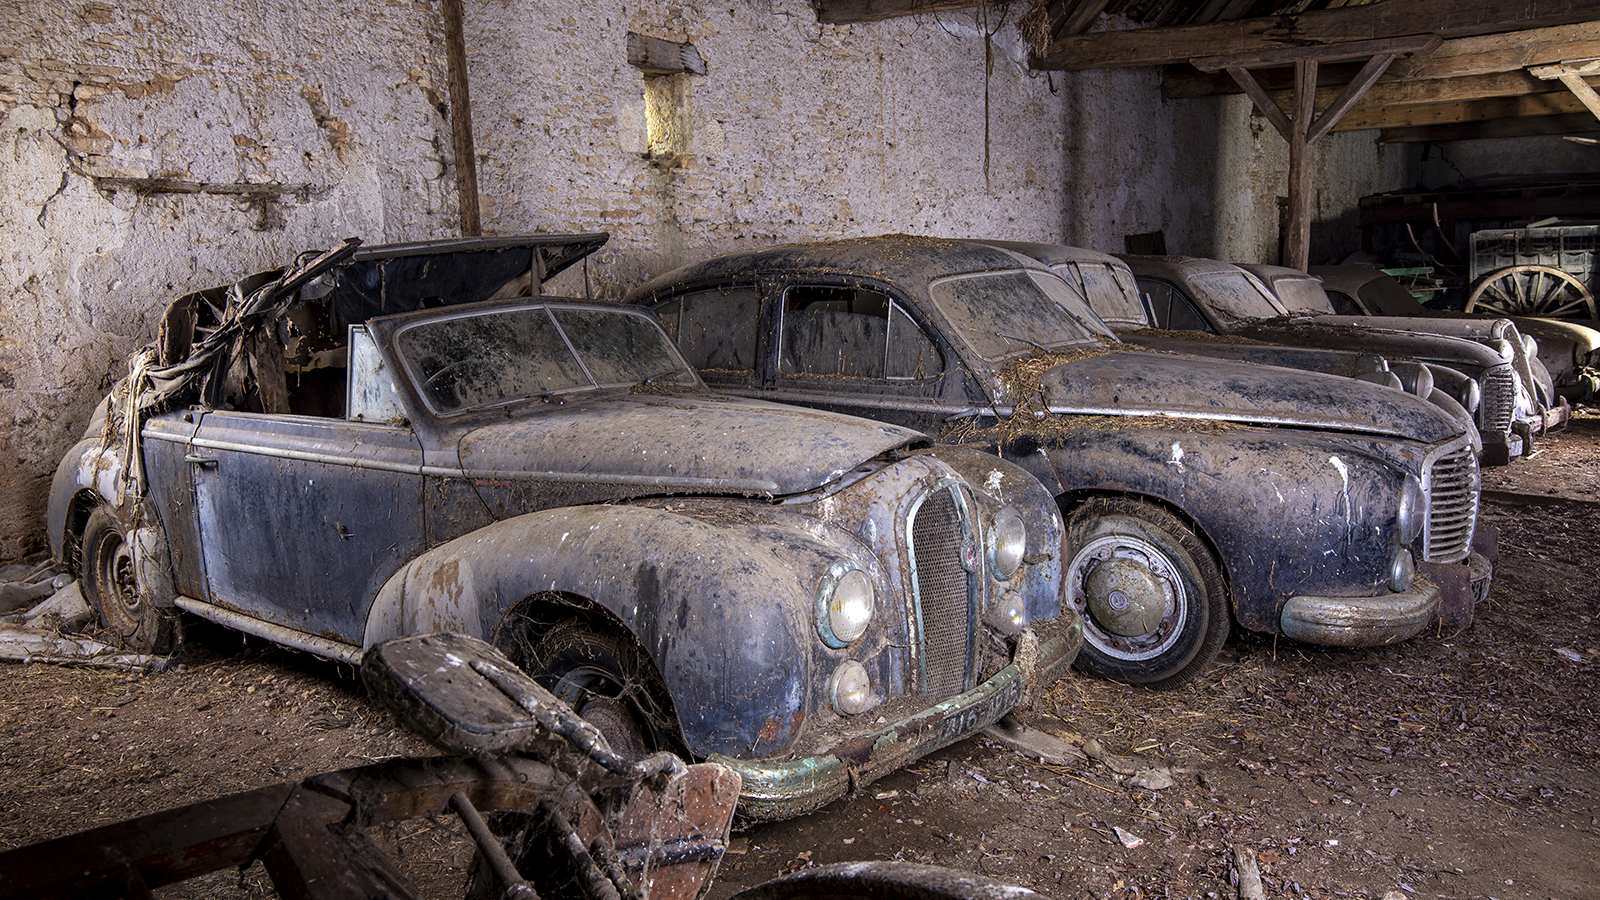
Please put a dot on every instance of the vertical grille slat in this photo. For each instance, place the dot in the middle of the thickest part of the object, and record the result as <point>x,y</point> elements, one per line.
<point>942,596</point>
<point>1452,505</point>
<point>1499,402</point>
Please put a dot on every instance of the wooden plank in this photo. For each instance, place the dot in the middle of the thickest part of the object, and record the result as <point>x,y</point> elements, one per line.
<point>1302,167</point>
<point>1583,92</point>
<point>841,12</point>
<point>1385,19</point>
<point>461,121</point>
<point>1529,126</point>
<point>1407,93</point>
<point>1347,98</point>
<point>1278,116</point>
<point>1553,103</point>
<point>1256,59</point>
<point>656,56</point>
<point>1081,15</point>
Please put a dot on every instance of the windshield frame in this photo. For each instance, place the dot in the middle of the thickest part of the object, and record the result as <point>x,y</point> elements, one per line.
<point>394,329</point>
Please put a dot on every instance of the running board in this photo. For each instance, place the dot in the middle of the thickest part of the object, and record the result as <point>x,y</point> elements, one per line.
<point>288,637</point>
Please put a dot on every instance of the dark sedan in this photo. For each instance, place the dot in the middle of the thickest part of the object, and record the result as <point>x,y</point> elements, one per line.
<point>1197,492</point>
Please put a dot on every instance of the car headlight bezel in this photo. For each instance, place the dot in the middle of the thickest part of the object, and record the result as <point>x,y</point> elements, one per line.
<point>1008,543</point>
<point>846,601</point>
<point>1411,512</point>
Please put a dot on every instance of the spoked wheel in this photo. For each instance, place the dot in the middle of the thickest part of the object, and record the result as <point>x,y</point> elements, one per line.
<point>110,584</point>
<point>1532,291</point>
<point>1151,594</point>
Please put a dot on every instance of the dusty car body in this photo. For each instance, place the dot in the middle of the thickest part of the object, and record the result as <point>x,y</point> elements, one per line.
<point>1567,347</point>
<point>407,439</point>
<point>1196,491</point>
<point>1108,286</point>
<point>1222,298</point>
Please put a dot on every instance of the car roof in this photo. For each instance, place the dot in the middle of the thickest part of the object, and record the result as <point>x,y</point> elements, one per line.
<point>900,258</point>
<point>1058,254</point>
<point>1175,266</point>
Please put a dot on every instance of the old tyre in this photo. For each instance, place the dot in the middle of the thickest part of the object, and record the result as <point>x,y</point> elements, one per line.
<point>605,677</point>
<point>109,584</point>
<point>1152,597</point>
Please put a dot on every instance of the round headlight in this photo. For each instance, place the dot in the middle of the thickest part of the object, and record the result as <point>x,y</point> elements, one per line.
<point>1420,382</point>
<point>1008,542</point>
<point>851,688</point>
<point>1470,395</point>
<point>1413,510</point>
<point>844,606</point>
<point>1401,570</point>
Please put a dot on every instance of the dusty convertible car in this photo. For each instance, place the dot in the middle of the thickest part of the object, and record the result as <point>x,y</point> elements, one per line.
<point>360,449</point>
<point>1195,490</point>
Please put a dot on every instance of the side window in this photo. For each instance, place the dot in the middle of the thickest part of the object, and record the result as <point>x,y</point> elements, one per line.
<point>1344,304</point>
<point>853,332</point>
<point>1183,316</point>
<point>715,329</point>
<point>372,395</point>
<point>1158,297</point>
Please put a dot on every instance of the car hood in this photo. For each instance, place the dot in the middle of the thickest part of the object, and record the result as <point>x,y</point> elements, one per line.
<point>1373,336</point>
<point>703,443</point>
<point>1151,383</point>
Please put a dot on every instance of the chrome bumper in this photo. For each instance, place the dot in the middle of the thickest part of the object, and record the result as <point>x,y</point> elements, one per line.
<point>1440,591</point>
<point>780,789</point>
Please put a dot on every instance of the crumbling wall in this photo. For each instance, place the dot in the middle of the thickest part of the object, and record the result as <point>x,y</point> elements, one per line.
<point>148,149</point>
<point>797,131</point>
<point>1209,173</point>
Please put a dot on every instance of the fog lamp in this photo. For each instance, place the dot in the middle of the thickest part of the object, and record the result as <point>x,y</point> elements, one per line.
<point>1401,570</point>
<point>851,688</point>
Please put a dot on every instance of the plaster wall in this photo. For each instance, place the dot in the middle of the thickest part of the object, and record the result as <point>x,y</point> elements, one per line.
<point>1209,172</point>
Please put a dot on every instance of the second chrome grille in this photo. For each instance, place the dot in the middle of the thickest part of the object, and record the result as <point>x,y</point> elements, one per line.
<point>943,604</point>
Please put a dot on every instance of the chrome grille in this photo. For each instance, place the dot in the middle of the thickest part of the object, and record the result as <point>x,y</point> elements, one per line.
<point>1452,480</point>
<point>1499,403</point>
<point>943,608</point>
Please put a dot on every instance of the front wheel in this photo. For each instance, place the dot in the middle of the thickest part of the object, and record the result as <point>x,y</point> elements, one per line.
<point>109,583</point>
<point>1151,594</point>
<point>604,676</point>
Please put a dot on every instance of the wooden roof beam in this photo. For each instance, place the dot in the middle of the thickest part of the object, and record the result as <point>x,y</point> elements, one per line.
<point>1571,74</point>
<point>1384,19</point>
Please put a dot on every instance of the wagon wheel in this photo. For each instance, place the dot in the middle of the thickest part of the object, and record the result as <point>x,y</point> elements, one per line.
<point>1532,291</point>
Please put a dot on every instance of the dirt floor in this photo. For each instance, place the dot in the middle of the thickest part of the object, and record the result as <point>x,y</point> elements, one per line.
<point>1448,766</point>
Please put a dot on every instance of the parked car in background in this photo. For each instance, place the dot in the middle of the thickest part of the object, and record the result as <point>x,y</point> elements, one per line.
<point>1108,286</point>
<point>1197,492</point>
<point>1221,298</point>
<point>1569,348</point>
<point>405,439</point>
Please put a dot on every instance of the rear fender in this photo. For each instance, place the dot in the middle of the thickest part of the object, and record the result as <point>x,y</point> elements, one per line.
<point>720,608</point>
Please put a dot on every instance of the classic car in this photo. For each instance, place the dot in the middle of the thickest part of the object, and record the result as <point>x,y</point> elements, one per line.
<point>1569,348</point>
<point>405,439</point>
<point>1210,295</point>
<point>1197,492</point>
<point>1108,286</point>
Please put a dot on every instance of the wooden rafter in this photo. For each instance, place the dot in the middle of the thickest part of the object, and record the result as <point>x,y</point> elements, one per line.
<point>840,12</point>
<point>1571,74</point>
<point>1388,18</point>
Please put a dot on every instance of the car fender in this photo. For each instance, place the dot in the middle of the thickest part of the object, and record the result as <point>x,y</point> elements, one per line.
<point>721,608</point>
<point>1328,506</point>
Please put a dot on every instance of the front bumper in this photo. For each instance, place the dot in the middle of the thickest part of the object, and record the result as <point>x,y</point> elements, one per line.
<point>1440,592</point>
<point>780,789</point>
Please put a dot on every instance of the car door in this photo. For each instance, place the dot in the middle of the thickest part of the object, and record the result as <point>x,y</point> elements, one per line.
<point>856,348</point>
<point>303,518</point>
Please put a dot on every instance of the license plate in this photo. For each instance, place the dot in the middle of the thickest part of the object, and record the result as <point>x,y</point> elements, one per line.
<point>984,713</point>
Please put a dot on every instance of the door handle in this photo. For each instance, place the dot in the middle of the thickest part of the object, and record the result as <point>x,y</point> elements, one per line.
<point>196,459</point>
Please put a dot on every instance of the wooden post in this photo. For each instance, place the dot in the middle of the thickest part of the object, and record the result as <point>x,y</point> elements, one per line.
<point>1302,166</point>
<point>461,121</point>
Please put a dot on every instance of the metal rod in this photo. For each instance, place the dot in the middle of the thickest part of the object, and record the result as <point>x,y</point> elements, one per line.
<point>594,880</point>
<point>516,888</point>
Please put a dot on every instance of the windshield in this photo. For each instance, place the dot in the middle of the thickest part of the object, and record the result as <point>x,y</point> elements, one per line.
<point>1003,314</point>
<point>1236,296</point>
<point>1112,294</point>
<point>491,358</point>
<point>1303,295</point>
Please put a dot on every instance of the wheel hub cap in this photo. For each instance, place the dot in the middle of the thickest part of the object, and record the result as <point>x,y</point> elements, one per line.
<point>1125,598</point>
